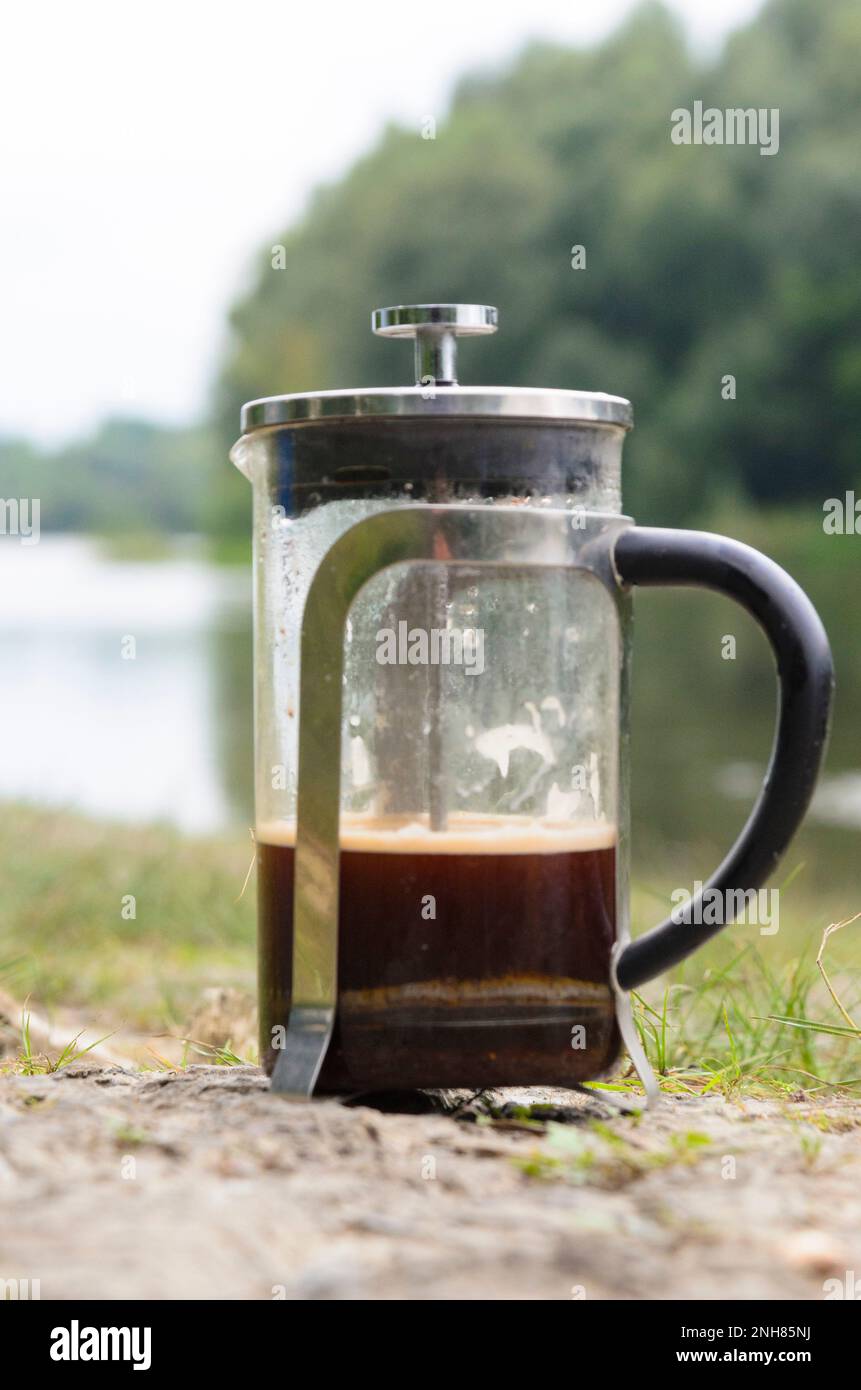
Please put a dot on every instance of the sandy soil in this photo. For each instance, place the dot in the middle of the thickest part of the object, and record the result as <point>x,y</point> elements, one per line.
<point>200,1184</point>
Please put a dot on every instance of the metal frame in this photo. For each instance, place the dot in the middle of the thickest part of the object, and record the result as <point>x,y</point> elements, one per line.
<point>520,537</point>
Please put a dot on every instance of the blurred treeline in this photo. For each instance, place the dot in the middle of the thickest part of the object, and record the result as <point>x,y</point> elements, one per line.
<point>131,478</point>
<point>701,261</point>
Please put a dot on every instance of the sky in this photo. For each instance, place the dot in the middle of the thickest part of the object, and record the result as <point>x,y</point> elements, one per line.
<point>146,152</point>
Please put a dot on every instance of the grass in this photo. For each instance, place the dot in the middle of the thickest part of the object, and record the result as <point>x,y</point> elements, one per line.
<point>66,941</point>
<point>600,1156</point>
<point>753,1024</point>
<point>748,1015</point>
<point>32,1063</point>
<point>756,1013</point>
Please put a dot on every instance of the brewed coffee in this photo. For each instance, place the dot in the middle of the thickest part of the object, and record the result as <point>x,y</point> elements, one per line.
<point>478,955</point>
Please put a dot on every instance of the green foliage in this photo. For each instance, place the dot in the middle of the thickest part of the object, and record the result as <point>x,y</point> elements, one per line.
<point>741,1023</point>
<point>599,1156</point>
<point>132,479</point>
<point>701,261</point>
<point>60,913</point>
<point>28,1063</point>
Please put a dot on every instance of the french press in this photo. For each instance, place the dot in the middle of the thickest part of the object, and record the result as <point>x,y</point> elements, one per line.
<point>443,579</point>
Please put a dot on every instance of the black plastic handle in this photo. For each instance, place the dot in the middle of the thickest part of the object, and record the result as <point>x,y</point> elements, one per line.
<point>805,671</point>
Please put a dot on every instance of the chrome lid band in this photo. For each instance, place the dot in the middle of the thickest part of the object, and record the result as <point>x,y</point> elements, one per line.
<point>447,402</point>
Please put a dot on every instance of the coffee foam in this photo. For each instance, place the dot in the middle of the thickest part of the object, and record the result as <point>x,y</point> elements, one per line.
<point>464,834</point>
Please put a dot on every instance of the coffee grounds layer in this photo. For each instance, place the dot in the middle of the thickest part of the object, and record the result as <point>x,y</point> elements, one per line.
<point>474,956</point>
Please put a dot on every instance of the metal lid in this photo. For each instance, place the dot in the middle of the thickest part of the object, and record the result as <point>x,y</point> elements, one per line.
<point>435,329</point>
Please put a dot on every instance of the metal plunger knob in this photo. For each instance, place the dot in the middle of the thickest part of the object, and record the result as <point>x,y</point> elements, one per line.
<point>436,328</point>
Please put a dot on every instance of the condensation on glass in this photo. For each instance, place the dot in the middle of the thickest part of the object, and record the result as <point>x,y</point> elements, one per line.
<point>517,714</point>
<point>480,737</point>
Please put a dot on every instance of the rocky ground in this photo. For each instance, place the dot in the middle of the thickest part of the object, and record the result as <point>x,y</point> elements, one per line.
<point>198,1183</point>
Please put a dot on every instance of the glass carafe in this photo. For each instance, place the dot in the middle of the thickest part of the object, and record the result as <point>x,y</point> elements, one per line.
<point>442,630</point>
